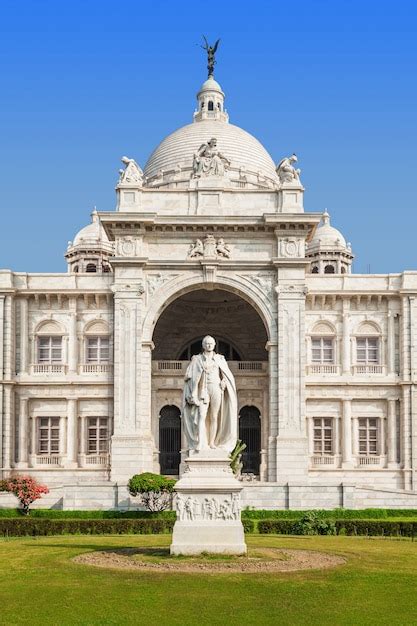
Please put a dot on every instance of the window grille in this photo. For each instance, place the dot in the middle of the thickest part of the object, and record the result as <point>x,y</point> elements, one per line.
<point>49,349</point>
<point>323,435</point>
<point>368,436</point>
<point>48,435</point>
<point>98,435</point>
<point>322,350</point>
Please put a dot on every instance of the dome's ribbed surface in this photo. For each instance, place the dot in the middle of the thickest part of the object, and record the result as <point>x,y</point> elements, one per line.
<point>241,148</point>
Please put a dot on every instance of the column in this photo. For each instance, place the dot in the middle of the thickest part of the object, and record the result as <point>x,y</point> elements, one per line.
<point>347,435</point>
<point>345,336</point>
<point>72,434</point>
<point>23,432</point>
<point>390,342</point>
<point>310,430</point>
<point>72,337</point>
<point>34,442</point>
<point>382,442</point>
<point>8,424</point>
<point>337,453</point>
<point>24,335</point>
<point>392,434</point>
<point>355,439</point>
<point>83,440</point>
<point>2,298</point>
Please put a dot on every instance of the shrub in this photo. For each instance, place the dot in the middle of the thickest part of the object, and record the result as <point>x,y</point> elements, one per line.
<point>278,527</point>
<point>26,489</point>
<point>154,491</point>
<point>312,523</point>
<point>248,525</point>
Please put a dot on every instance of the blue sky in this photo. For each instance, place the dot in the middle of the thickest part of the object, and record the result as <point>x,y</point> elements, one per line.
<point>83,83</point>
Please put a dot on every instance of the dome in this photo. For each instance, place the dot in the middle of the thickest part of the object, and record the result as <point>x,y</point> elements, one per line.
<point>327,237</point>
<point>210,85</point>
<point>93,233</point>
<point>247,155</point>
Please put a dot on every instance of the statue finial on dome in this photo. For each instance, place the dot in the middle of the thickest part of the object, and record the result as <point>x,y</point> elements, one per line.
<point>211,51</point>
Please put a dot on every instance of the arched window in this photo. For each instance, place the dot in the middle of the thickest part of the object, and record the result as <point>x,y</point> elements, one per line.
<point>91,268</point>
<point>76,269</point>
<point>329,269</point>
<point>250,433</point>
<point>210,105</point>
<point>170,440</point>
<point>222,347</point>
<point>106,269</point>
<point>315,270</point>
<point>343,270</point>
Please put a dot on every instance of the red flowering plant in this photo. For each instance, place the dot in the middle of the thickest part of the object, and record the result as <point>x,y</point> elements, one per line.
<point>26,489</point>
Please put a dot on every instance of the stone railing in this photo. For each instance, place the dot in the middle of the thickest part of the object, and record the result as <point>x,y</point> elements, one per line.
<point>368,460</point>
<point>320,460</point>
<point>97,459</point>
<point>237,367</point>
<point>48,459</point>
<point>321,368</point>
<point>48,368</point>
<point>368,369</point>
<point>96,368</point>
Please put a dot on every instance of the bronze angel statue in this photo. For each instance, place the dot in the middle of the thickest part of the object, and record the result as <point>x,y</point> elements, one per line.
<point>211,51</point>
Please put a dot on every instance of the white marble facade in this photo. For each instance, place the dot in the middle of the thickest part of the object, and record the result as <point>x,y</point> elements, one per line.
<point>325,360</point>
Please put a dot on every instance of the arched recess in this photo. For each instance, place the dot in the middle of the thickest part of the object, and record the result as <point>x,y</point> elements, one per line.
<point>170,439</point>
<point>218,313</point>
<point>179,286</point>
<point>250,433</point>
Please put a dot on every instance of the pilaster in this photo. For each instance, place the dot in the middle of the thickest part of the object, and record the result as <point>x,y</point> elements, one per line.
<point>23,436</point>
<point>347,435</point>
<point>72,434</point>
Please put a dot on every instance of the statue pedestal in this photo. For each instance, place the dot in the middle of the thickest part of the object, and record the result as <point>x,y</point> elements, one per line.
<point>208,507</point>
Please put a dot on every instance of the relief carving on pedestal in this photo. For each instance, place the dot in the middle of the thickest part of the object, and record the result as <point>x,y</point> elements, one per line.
<point>209,248</point>
<point>190,509</point>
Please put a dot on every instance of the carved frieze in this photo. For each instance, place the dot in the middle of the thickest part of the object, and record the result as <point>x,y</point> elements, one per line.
<point>264,280</point>
<point>155,281</point>
<point>210,508</point>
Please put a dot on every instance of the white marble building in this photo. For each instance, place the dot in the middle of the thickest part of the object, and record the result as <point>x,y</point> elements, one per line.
<point>211,238</point>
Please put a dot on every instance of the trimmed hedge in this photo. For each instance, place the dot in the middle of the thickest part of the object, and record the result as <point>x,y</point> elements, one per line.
<point>359,527</point>
<point>59,514</point>
<point>36,527</point>
<point>24,526</point>
<point>374,514</point>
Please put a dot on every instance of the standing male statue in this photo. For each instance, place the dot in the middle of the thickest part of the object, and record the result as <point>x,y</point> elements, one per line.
<point>210,402</point>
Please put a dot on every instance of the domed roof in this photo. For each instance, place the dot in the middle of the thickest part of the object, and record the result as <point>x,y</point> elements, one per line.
<point>93,233</point>
<point>210,85</point>
<point>242,149</point>
<point>327,237</point>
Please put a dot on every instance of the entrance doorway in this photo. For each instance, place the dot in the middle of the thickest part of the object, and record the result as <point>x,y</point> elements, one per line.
<point>250,433</point>
<point>170,440</point>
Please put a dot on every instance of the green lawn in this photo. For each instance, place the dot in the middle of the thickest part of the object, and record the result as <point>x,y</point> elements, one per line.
<point>39,584</point>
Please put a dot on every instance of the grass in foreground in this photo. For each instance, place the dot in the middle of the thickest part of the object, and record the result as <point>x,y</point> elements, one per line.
<point>41,585</point>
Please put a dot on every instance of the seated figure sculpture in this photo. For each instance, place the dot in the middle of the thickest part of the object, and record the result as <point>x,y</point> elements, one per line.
<point>210,402</point>
<point>208,161</point>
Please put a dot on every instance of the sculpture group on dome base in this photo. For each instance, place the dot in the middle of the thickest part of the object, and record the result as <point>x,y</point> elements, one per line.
<point>209,161</point>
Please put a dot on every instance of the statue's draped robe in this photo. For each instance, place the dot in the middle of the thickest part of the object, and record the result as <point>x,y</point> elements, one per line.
<point>195,388</point>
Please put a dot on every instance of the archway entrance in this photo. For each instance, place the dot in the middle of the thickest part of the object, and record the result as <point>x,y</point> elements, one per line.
<point>240,336</point>
<point>250,433</point>
<point>170,440</point>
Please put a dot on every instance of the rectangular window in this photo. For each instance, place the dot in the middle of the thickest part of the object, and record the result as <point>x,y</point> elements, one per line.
<point>367,350</point>
<point>98,435</point>
<point>322,350</point>
<point>323,435</point>
<point>98,350</point>
<point>48,435</point>
<point>368,436</point>
<point>49,349</point>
